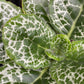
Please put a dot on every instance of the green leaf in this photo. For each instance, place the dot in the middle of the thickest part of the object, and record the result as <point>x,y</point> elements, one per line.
<point>25,38</point>
<point>68,72</point>
<point>7,10</point>
<point>10,73</point>
<point>34,6</point>
<point>59,47</point>
<point>77,51</point>
<point>3,57</point>
<point>67,17</point>
<point>45,79</point>
<point>16,74</point>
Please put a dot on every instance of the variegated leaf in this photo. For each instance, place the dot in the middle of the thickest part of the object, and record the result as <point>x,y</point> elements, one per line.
<point>17,75</point>
<point>77,51</point>
<point>34,6</point>
<point>10,73</point>
<point>68,72</point>
<point>59,47</point>
<point>7,10</point>
<point>26,37</point>
<point>3,57</point>
<point>45,79</point>
<point>67,16</point>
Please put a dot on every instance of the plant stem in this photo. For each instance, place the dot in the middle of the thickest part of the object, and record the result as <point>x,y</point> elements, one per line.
<point>74,23</point>
<point>40,76</point>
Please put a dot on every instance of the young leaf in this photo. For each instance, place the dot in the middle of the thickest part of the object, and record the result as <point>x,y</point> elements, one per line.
<point>25,38</point>
<point>67,17</point>
<point>10,73</point>
<point>59,47</point>
<point>7,10</point>
<point>68,72</point>
<point>34,6</point>
<point>77,50</point>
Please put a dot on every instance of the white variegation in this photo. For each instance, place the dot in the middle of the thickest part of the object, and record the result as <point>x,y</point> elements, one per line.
<point>68,72</point>
<point>26,40</point>
<point>67,17</point>
<point>34,6</point>
<point>11,73</point>
<point>7,10</point>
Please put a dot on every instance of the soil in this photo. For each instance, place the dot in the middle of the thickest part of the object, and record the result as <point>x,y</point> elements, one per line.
<point>17,2</point>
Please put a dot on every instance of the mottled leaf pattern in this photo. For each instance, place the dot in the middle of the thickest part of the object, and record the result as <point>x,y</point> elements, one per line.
<point>68,72</point>
<point>10,73</point>
<point>3,57</point>
<point>45,79</point>
<point>77,51</point>
<point>25,38</point>
<point>67,16</point>
<point>30,42</point>
<point>7,10</point>
<point>34,6</point>
<point>59,47</point>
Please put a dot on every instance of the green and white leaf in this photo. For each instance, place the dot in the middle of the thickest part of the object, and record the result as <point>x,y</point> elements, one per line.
<point>68,72</point>
<point>34,6</point>
<point>7,10</point>
<point>10,73</point>
<point>25,38</point>
<point>67,17</point>
<point>17,75</point>
<point>59,47</point>
<point>77,51</point>
<point>3,57</point>
<point>45,79</point>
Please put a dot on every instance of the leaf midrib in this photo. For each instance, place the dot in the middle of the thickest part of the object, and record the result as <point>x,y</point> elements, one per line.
<point>75,21</point>
<point>40,76</point>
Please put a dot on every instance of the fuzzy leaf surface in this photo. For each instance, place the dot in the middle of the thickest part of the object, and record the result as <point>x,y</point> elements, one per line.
<point>25,38</point>
<point>67,17</point>
<point>68,72</point>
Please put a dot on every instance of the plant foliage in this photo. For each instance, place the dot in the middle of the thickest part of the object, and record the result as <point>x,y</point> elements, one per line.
<point>42,42</point>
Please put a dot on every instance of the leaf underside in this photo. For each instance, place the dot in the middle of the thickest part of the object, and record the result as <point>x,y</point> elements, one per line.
<point>25,37</point>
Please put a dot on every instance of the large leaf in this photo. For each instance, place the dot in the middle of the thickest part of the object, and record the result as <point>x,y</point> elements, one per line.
<point>25,38</point>
<point>68,72</point>
<point>59,47</point>
<point>7,10</point>
<point>10,73</point>
<point>34,6</point>
<point>67,16</point>
<point>17,75</point>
